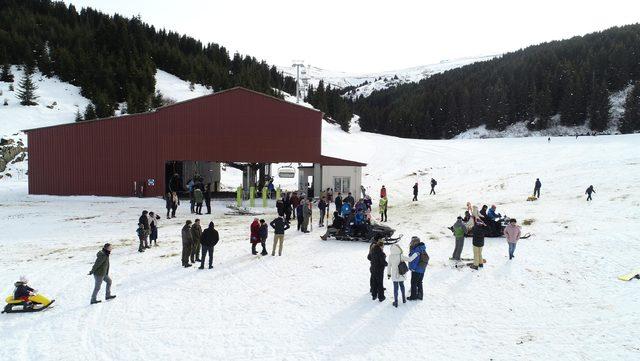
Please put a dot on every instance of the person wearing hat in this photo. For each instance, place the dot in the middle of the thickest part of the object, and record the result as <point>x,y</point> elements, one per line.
<point>479,231</point>
<point>512,233</point>
<point>187,240</point>
<point>100,272</point>
<point>141,236</point>
<point>418,266</point>
<point>196,233</point>
<point>25,293</point>
<point>393,272</point>
<point>378,263</point>
<point>208,240</point>
<point>459,229</point>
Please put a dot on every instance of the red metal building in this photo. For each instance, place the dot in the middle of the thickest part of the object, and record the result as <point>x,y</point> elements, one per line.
<point>105,156</point>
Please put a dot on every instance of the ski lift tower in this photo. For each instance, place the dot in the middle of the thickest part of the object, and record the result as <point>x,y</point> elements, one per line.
<point>298,64</point>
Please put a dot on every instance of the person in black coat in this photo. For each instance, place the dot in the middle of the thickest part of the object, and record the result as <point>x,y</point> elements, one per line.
<point>169,204</point>
<point>415,192</point>
<point>144,219</point>
<point>433,186</point>
<point>335,228</point>
<point>300,215</point>
<point>207,197</point>
<point>478,231</point>
<point>589,191</point>
<point>280,207</point>
<point>279,226</point>
<point>287,208</point>
<point>378,263</point>
<point>536,188</point>
<point>349,199</point>
<point>208,240</point>
<point>338,202</point>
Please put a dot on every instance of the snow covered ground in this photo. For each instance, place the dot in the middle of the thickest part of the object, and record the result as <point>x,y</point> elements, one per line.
<point>559,299</point>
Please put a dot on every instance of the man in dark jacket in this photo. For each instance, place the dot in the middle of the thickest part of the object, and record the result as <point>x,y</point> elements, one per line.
<point>207,197</point>
<point>299,215</point>
<point>433,186</point>
<point>589,191</point>
<point>287,208</point>
<point>335,227</point>
<point>536,188</point>
<point>418,266</point>
<point>378,263</point>
<point>187,244</point>
<point>263,233</point>
<point>208,240</point>
<point>279,226</point>
<point>196,234</point>
<point>144,219</point>
<point>479,231</point>
<point>322,206</point>
<point>415,192</point>
<point>349,199</point>
<point>100,272</point>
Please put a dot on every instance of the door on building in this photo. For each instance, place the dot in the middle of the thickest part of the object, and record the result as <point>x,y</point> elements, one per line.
<point>173,176</point>
<point>342,185</point>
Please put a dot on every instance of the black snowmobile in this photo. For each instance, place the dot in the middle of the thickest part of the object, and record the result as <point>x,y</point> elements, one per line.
<point>370,233</point>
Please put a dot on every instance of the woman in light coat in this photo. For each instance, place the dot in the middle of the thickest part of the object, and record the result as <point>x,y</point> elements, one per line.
<point>395,257</point>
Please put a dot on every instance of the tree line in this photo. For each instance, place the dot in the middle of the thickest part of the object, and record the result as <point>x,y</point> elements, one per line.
<point>113,59</point>
<point>573,78</point>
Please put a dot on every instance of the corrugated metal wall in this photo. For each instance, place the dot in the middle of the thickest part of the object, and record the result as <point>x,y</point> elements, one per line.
<point>105,157</point>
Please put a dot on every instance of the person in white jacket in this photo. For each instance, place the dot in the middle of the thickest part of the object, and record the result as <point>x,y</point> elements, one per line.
<point>395,257</point>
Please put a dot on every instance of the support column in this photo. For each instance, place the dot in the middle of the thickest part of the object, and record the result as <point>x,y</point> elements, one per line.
<point>317,180</point>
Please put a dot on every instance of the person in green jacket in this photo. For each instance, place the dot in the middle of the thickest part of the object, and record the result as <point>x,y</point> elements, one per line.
<point>198,198</point>
<point>100,272</point>
<point>383,208</point>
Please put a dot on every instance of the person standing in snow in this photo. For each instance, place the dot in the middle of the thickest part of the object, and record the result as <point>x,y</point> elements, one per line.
<point>418,265</point>
<point>322,206</point>
<point>589,191</point>
<point>459,229</point>
<point>198,197</point>
<point>415,192</point>
<point>196,234</point>
<point>207,197</point>
<point>100,272</point>
<point>378,263</point>
<point>383,208</point>
<point>383,192</point>
<point>263,233</point>
<point>169,204</point>
<point>187,240</point>
<point>350,200</point>
<point>191,184</point>
<point>298,215</point>
<point>208,241</point>
<point>479,231</point>
<point>433,186</point>
<point>141,234</point>
<point>512,233</point>
<point>144,219</point>
<point>338,202</point>
<point>295,202</point>
<point>363,190</point>
<point>153,225</point>
<point>287,208</point>
<point>536,188</point>
<point>254,237</point>
<point>280,207</point>
<point>279,226</point>
<point>393,272</point>
<point>175,202</point>
<point>306,215</point>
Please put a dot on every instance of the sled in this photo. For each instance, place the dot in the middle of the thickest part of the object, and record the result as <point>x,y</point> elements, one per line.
<point>629,276</point>
<point>21,306</point>
<point>240,211</point>
<point>532,198</point>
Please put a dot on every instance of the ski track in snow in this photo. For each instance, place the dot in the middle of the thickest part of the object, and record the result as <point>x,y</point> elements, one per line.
<point>558,299</point>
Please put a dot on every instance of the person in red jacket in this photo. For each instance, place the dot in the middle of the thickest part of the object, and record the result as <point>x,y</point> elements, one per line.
<point>255,235</point>
<point>383,192</point>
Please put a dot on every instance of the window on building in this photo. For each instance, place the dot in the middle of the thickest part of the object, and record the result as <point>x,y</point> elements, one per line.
<point>342,184</point>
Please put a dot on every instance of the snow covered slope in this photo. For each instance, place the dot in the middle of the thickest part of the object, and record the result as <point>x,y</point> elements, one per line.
<point>559,299</point>
<point>381,80</point>
<point>177,89</point>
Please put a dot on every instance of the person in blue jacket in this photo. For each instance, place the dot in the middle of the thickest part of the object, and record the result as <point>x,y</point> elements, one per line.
<point>346,209</point>
<point>418,266</point>
<point>492,215</point>
<point>359,222</point>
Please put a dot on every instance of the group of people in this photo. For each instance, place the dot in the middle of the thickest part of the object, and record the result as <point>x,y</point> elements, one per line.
<point>197,244</point>
<point>397,266</point>
<point>415,189</point>
<point>147,230</point>
<point>199,193</point>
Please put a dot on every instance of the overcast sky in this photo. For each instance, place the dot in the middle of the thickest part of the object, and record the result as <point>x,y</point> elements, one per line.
<point>368,36</point>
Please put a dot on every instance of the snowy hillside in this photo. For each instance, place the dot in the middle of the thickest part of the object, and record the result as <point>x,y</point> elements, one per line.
<point>559,299</point>
<point>380,80</point>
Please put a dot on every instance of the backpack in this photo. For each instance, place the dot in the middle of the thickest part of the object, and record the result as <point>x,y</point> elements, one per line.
<point>424,260</point>
<point>402,268</point>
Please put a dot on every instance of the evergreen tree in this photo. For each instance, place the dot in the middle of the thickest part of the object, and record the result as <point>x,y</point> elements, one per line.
<point>5,74</point>
<point>599,108</point>
<point>26,88</point>
<point>78,116</point>
<point>631,119</point>
<point>90,112</point>
<point>158,100</point>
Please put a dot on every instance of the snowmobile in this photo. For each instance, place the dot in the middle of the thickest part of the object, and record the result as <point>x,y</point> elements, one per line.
<point>372,233</point>
<point>34,303</point>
